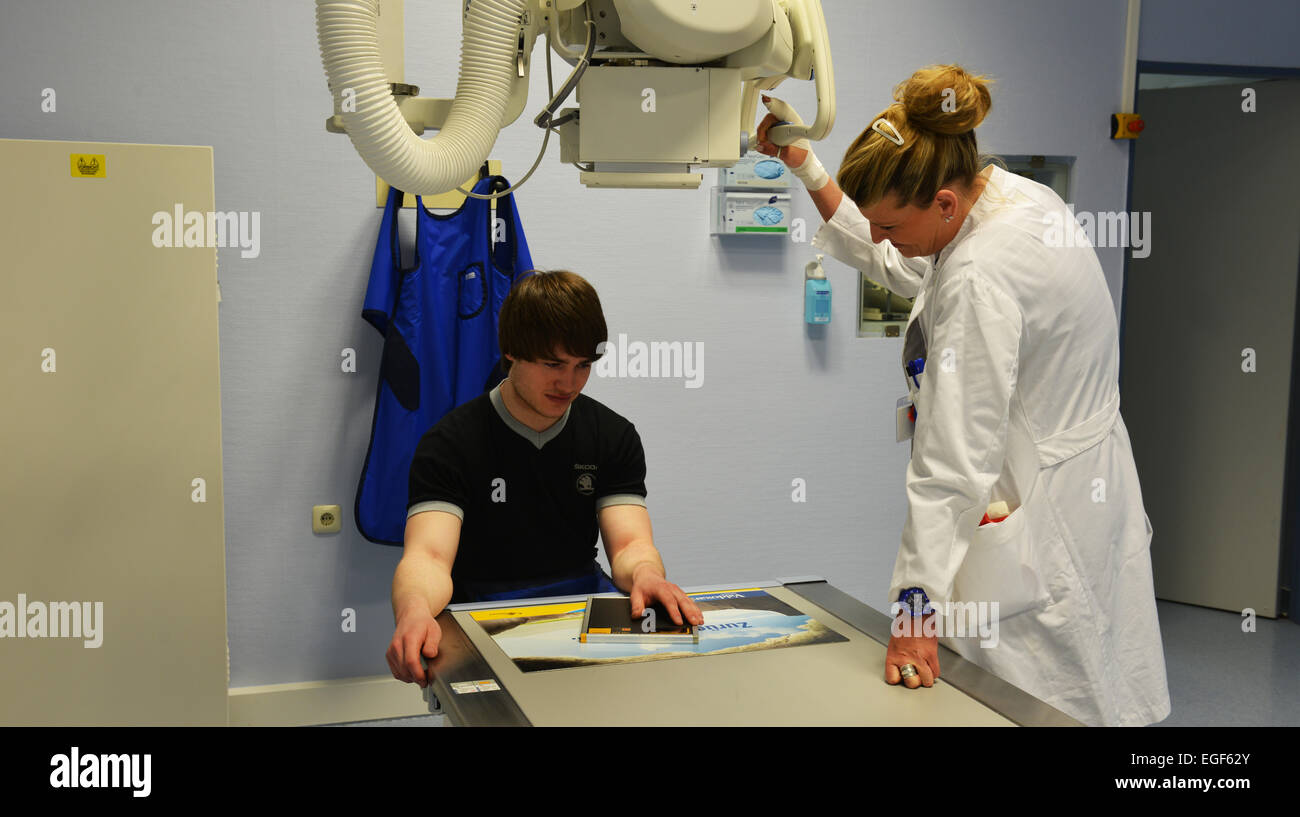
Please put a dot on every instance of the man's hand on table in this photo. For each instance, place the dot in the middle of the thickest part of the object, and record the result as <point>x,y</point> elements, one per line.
<point>417,634</point>
<point>648,587</point>
<point>919,650</point>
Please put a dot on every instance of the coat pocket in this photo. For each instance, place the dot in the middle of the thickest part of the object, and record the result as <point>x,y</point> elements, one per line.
<point>998,568</point>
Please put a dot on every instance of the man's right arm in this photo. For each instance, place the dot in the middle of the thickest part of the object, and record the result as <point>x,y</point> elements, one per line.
<point>421,589</point>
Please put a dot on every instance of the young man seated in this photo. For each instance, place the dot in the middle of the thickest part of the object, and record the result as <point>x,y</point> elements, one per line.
<point>508,490</point>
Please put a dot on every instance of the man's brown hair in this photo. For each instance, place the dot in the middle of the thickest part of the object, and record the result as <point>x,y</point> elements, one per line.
<point>551,310</point>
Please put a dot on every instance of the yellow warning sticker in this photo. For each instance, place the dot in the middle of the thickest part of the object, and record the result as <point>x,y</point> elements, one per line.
<point>89,165</point>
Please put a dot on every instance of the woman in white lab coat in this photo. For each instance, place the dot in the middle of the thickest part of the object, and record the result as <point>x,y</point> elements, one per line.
<point>1018,402</point>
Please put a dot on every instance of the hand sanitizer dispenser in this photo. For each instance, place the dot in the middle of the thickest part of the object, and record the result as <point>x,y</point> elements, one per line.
<point>817,293</point>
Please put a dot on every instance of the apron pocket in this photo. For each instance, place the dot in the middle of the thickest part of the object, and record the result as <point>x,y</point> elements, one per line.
<point>471,292</point>
<point>997,568</point>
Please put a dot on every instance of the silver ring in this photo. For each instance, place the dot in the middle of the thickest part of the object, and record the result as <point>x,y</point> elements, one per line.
<point>907,671</point>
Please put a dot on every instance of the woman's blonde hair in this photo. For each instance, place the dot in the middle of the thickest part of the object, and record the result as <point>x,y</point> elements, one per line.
<point>936,113</point>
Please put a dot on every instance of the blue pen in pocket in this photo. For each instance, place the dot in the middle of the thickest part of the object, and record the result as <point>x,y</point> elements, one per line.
<point>914,369</point>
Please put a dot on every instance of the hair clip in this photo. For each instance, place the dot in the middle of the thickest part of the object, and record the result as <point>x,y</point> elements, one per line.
<point>893,136</point>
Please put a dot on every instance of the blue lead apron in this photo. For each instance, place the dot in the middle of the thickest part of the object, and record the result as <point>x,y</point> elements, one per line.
<point>439,322</point>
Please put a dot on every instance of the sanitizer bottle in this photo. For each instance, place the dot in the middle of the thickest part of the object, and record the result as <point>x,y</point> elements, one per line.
<point>816,293</point>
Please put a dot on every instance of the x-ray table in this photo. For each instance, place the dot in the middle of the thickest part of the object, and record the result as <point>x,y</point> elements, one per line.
<point>841,684</point>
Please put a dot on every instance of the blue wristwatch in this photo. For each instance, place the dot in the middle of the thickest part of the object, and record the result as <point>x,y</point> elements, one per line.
<point>914,600</point>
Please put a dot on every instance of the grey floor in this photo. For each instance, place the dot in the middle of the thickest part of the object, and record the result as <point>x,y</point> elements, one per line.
<point>1221,676</point>
<point>1218,674</point>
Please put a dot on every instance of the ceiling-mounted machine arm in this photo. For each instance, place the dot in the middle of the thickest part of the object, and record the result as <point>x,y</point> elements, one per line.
<point>661,85</point>
<point>812,60</point>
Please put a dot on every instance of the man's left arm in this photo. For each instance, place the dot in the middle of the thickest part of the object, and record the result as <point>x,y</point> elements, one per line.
<point>638,570</point>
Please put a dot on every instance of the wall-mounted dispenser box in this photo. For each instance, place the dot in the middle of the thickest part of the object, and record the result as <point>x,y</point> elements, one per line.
<point>737,212</point>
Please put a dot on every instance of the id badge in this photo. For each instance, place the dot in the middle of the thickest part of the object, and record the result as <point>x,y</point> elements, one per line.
<point>905,419</point>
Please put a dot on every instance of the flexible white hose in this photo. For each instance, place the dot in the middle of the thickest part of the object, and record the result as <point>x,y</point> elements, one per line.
<point>347,31</point>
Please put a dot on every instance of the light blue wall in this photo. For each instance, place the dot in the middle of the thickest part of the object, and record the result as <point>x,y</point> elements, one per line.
<point>777,403</point>
<point>1242,32</point>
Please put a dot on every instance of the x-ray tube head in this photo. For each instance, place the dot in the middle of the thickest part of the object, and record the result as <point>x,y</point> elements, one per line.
<point>663,87</point>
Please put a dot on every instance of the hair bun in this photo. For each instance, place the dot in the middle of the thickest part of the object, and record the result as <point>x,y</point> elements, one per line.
<point>944,99</point>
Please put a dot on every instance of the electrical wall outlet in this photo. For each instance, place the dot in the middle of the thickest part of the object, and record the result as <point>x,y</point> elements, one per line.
<point>326,519</point>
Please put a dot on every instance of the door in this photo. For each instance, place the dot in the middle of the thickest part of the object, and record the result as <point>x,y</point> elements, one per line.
<point>112,550</point>
<point>1209,329</point>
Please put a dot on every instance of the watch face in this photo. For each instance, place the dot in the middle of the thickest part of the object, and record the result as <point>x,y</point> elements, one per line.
<point>914,601</point>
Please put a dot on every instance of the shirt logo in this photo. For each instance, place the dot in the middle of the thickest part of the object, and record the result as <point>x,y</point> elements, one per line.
<point>586,485</point>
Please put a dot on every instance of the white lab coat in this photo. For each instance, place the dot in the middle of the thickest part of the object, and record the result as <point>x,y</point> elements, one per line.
<point>1019,401</point>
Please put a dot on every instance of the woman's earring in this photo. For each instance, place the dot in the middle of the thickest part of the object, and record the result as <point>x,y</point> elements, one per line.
<point>947,219</point>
